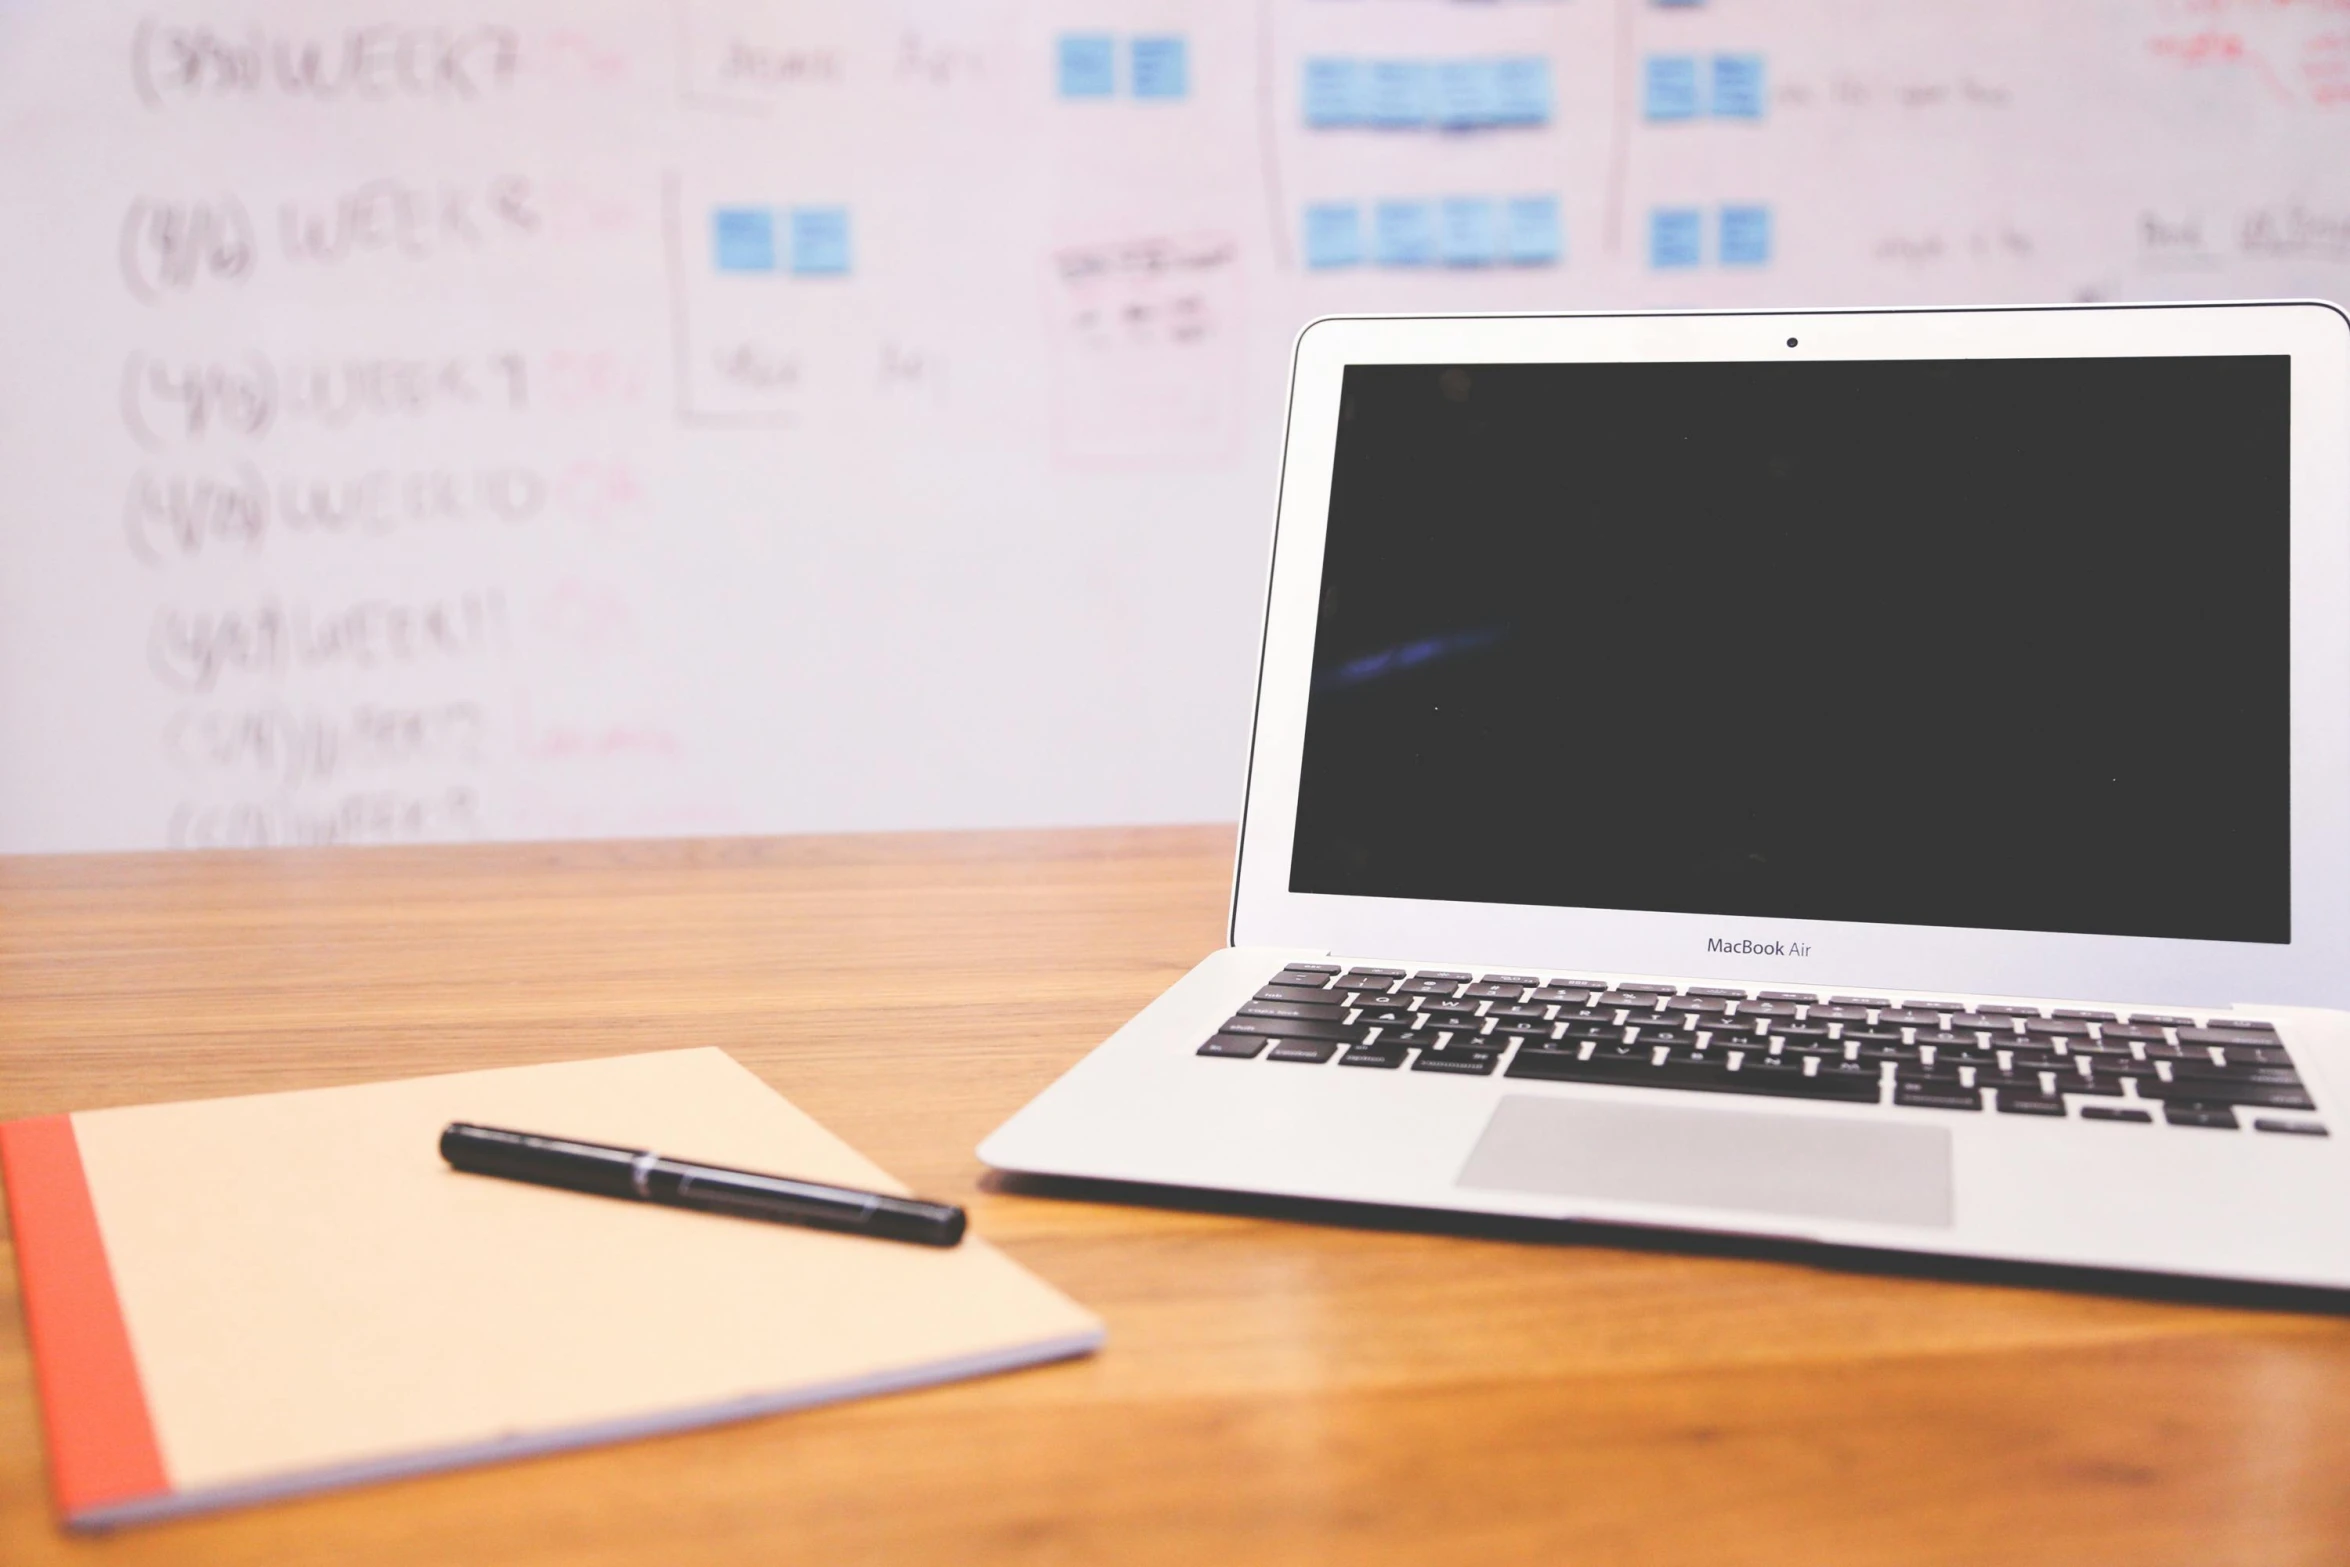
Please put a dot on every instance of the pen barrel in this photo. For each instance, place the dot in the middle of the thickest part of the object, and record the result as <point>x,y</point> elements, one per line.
<point>785,1201</point>
<point>544,1161</point>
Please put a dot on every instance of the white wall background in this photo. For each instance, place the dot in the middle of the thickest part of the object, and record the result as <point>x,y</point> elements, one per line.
<point>385,453</point>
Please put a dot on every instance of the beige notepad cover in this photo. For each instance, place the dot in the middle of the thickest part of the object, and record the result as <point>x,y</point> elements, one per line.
<point>310,1296</point>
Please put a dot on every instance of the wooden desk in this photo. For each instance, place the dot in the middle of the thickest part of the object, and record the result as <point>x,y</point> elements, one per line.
<point>1273,1391</point>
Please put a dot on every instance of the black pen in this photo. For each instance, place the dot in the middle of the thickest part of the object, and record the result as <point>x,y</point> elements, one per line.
<point>645,1176</point>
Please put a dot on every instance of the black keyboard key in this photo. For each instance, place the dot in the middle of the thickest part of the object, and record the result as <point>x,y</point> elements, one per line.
<point>1323,969</point>
<point>2220,1090</point>
<point>1379,1053</point>
<point>2161,1020</point>
<point>2084,1017</point>
<point>2056,1027</point>
<point>1522,981</point>
<point>1466,1063</point>
<point>1315,1051</point>
<point>1948,1060</point>
<point>1772,1009</point>
<point>2124,1033</point>
<point>1799,997</point>
<point>1517,1011</point>
<point>1438,1007</point>
<point>1858,1001</point>
<point>2199,1115</point>
<point>1390,974</point>
<point>1631,1001</point>
<point>1448,976</point>
<point>2018,1103</point>
<point>2300,1128</point>
<point>1837,1014</point>
<point>1560,1067</point>
<point>1649,990</point>
<point>1412,1039</point>
<point>1988,1010</point>
<point>1234,1045</point>
<point>1387,1017</point>
<point>1903,1017</point>
<point>1945,1039</point>
<point>2112,1113</point>
<point>1293,1009</point>
<point>1703,1005</point>
<point>1300,993</point>
<point>1713,994</point>
<point>2244,1025</point>
<point>1653,1034</point>
<point>2225,1036</point>
<point>1559,997</point>
<point>1422,985</point>
<point>1983,1022</point>
<point>1365,985</point>
<point>1522,1028</point>
<point>1873,1051</point>
<point>1284,1028</point>
<point>1488,991</point>
<point>2246,1073</point>
<point>1923,1096</point>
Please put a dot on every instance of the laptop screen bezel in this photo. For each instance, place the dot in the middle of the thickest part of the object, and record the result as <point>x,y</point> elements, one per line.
<point>2313,968</point>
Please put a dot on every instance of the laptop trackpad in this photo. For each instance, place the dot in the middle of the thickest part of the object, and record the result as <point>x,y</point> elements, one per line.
<point>1754,1162</point>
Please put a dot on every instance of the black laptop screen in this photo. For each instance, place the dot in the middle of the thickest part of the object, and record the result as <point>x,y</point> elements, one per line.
<point>1991,643</point>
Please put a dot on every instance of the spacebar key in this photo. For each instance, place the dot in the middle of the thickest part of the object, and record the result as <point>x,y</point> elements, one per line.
<point>1560,1066</point>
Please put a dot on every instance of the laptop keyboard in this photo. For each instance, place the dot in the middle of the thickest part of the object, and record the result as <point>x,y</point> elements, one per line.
<point>1929,1054</point>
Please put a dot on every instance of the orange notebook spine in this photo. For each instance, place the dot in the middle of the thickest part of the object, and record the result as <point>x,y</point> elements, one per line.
<point>102,1448</point>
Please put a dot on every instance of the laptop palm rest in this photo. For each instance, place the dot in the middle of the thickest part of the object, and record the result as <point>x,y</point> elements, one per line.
<point>1754,1162</point>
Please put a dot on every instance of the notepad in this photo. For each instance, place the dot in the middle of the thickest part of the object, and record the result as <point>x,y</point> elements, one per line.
<point>237,1299</point>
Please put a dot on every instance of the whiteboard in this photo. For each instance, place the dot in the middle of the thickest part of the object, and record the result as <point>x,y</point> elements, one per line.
<point>635,417</point>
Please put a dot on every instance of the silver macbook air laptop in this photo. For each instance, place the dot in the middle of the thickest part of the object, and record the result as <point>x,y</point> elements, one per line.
<point>1875,777</point>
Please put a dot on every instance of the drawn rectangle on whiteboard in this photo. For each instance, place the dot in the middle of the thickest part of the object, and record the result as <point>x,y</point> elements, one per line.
<point>819,241</point>
<point>1468,232</point>
<point>1738,86</point>
<point>742,239</point>
<point>1746,236</point>
<point>1532,235</point>
<point>1088,65</point>
<point>1337,93</point>
<point>1403,233</point>
<point>1467,96</point>
<point>1334,234</point>
<point>1676,237</point>
<point>1159,67</point>
<point>1403,94</point>
<point>1668,88</point>
<point>1521,87</point>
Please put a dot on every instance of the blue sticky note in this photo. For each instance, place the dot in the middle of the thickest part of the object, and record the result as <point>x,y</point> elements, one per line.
<point>1669,87</point>
<point>1521,89</point>
<point>742,239</point>
<point>1466,95</point>
<point>1746,236</point>
<point>1468,232</point>
<point>1738,86</point>
<point>1676,237</point>
<point>1089,65</point>
<point>1403,233</point>
<point>1338,92</point>
<point>1531,235</point>
<point>819,241</point>
<point>1403,93</point>
<point>1161,67</point>
<point>1334,234</point>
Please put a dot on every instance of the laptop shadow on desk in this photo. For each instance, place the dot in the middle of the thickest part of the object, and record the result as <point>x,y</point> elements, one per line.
<point>2166,1288</point>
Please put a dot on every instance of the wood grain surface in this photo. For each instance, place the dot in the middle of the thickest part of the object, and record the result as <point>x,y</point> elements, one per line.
<point>1277,1388</point>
